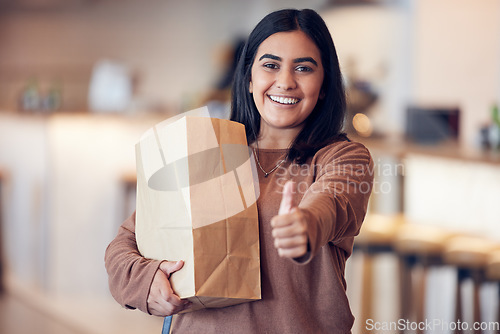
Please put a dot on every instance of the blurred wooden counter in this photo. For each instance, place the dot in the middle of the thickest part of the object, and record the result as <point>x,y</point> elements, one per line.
<point>399,147</point>
<point>445,184</point>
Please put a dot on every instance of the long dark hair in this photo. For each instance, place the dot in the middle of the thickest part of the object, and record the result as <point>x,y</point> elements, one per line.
<point>324,125</point>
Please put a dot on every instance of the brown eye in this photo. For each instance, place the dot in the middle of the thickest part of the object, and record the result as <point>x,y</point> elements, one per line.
<point>303,68</point>
<point>271,66</point>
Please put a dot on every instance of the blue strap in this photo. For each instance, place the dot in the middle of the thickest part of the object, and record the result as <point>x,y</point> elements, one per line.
<point>166,325</point>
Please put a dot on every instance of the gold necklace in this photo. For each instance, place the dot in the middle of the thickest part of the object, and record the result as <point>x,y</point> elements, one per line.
<point>266,174</point>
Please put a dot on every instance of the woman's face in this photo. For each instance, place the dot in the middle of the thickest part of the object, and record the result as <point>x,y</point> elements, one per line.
<point>287,75</point>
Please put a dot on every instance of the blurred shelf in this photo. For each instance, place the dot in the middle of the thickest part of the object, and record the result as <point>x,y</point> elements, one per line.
<point>400,148</point>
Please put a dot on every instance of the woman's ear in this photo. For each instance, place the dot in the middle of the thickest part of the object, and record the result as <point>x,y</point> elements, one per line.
<point>250,87</point>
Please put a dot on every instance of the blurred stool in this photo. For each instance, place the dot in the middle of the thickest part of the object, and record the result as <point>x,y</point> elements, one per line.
<point>128,182</point>
<point>493,274</point>
<point>418,246</point>
<point>376,237</point>
<point>470,255</point>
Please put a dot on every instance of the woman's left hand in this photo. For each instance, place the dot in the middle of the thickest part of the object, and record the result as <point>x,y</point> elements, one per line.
<point>289,227</point>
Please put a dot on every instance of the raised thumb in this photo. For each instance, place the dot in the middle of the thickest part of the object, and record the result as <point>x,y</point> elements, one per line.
<point>170,267</point>
<point>287,199</point>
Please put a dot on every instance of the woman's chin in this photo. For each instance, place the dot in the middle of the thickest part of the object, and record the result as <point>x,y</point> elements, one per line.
<point>283,124</point>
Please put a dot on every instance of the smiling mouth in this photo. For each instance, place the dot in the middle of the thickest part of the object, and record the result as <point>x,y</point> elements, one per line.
<point>284,100</point>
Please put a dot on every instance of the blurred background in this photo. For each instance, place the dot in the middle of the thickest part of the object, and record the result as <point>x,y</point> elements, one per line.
<point>82,80</point>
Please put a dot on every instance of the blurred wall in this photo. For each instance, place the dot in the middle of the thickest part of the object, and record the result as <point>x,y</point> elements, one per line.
<point>423,52</point>
<point>170,44</point>
<point>456,58</point>
<point>430,52</point>
<point>374,45</point>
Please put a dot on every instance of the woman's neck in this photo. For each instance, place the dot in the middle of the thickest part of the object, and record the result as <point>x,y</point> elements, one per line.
<point>272,138</point>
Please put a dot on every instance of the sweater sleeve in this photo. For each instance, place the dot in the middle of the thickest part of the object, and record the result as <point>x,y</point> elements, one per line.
<point>129,274</point>
<point>336,203</point>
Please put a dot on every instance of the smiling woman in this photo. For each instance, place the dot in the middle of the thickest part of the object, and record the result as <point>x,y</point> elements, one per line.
<point>288,93</point>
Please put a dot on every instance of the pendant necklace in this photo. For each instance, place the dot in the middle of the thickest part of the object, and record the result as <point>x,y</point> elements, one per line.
<point>266,174</point>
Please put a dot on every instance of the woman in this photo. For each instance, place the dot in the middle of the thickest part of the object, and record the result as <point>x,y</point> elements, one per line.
<point>288,93</point>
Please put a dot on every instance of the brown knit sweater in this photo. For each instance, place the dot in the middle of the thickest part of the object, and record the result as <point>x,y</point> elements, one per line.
<point>333,188</point>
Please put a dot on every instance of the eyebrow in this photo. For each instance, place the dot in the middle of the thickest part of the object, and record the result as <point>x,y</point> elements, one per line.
<point>296,60</point>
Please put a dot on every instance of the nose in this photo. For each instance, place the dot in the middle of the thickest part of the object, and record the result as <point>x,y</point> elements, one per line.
<point>286,80</point>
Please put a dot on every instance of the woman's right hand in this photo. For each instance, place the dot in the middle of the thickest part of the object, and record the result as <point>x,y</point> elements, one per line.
<point>162,300</point>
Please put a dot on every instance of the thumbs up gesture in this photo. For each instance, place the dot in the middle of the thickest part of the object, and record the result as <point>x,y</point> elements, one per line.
<point>289,226</point>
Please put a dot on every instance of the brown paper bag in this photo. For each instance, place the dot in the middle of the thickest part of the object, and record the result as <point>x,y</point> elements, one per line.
<point>196,201</point>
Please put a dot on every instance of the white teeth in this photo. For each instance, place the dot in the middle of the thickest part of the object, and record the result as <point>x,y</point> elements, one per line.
<point>283,100</point>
